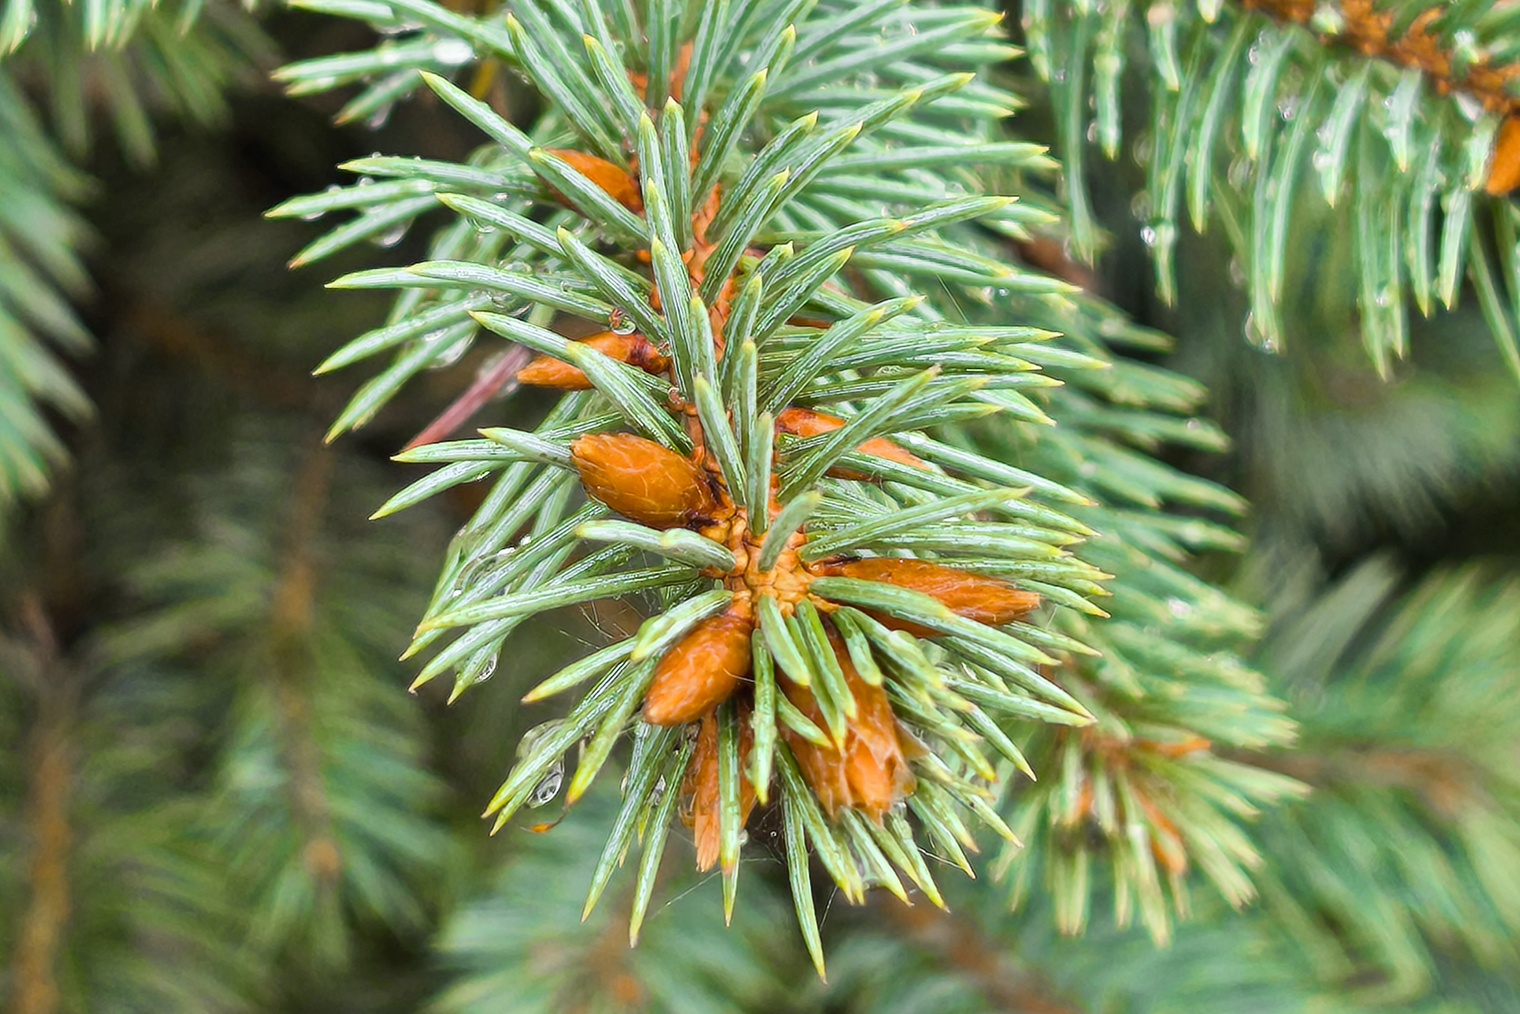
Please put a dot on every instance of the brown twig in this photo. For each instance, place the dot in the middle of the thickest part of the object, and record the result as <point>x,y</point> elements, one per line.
<point>290,627</point>
<point>163,327</point>
<point>963,947</point>
<point>496,379</point>
<point>35,964</point>
<point>1445,780</point>
<point>1367,29</point>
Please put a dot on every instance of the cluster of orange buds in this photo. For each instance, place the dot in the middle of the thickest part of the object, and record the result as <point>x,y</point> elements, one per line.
<point>1119,756</point>
<point>867,768</point>
<point>866,765</point>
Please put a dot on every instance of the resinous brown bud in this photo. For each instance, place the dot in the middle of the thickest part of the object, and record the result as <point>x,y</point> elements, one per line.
<point>702,670</point>
<point>642,480</point>
<point>634,349</point>
<point>699,792</point>
<point>804,422</point>
<point>983,599</point>
<point>869,771</point>
<point>619,184</point>
<point>1504,167</point>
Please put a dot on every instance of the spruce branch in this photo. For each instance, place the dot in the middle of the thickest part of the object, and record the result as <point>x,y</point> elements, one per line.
<point>320,818</point>
<point>1406,133</point>
<point>133,60</point>
<point>788,421</point>
<point>1420,38</point>
<point>1402,854</point>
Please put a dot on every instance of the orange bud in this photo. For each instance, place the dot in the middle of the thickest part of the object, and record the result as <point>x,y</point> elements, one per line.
<point>678,79</point>
<point>634,349</point>
<point>620,185</point>
<point>1189,745</point>
<point>546,371</point>
<point>1166,842</point>
<point>642,480</point>
<point>1504,169</point>
<point>702,670</point>
<point>869,772</point>
<point>804,422</point>
<point>983,599</point>
<point>699,792</point>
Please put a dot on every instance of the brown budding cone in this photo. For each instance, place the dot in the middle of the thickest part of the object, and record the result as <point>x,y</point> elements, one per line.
<point>1166,843</point>
<point>634,349</point>
<point>702,670</point>
<point>983,599</point>
<point>1504,169</point>
<point>642,480</point>
<point>869,771</point>
<point>804,422</point>
<point>619,184</point>
<point>699,792</point>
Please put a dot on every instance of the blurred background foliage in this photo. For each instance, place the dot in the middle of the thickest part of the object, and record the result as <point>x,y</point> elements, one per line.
<point>215,797</point>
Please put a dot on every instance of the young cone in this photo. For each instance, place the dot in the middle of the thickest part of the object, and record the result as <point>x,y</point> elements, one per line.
<point>699,793</point>
<point>868,771</point>
<point>983,599</point>
<point>703,669</point>
<point>642,480</point>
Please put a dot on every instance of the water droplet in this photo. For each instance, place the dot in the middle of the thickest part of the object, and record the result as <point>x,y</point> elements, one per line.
<point>453,52</point>
<point>477,569</point>
<point>1148,235</point>
<point>1253,331</point>
<point>1140,207</point>
<point>391,237</point>
<point>378,118</point>
<point>488,670</point>
<point>449,356</point>
<point>1179,608</point>
<point>365,181</point>
<point>1092,132</point>
<point>548,786</point>
<point>1237,273</point>
<point>1239,173</point>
